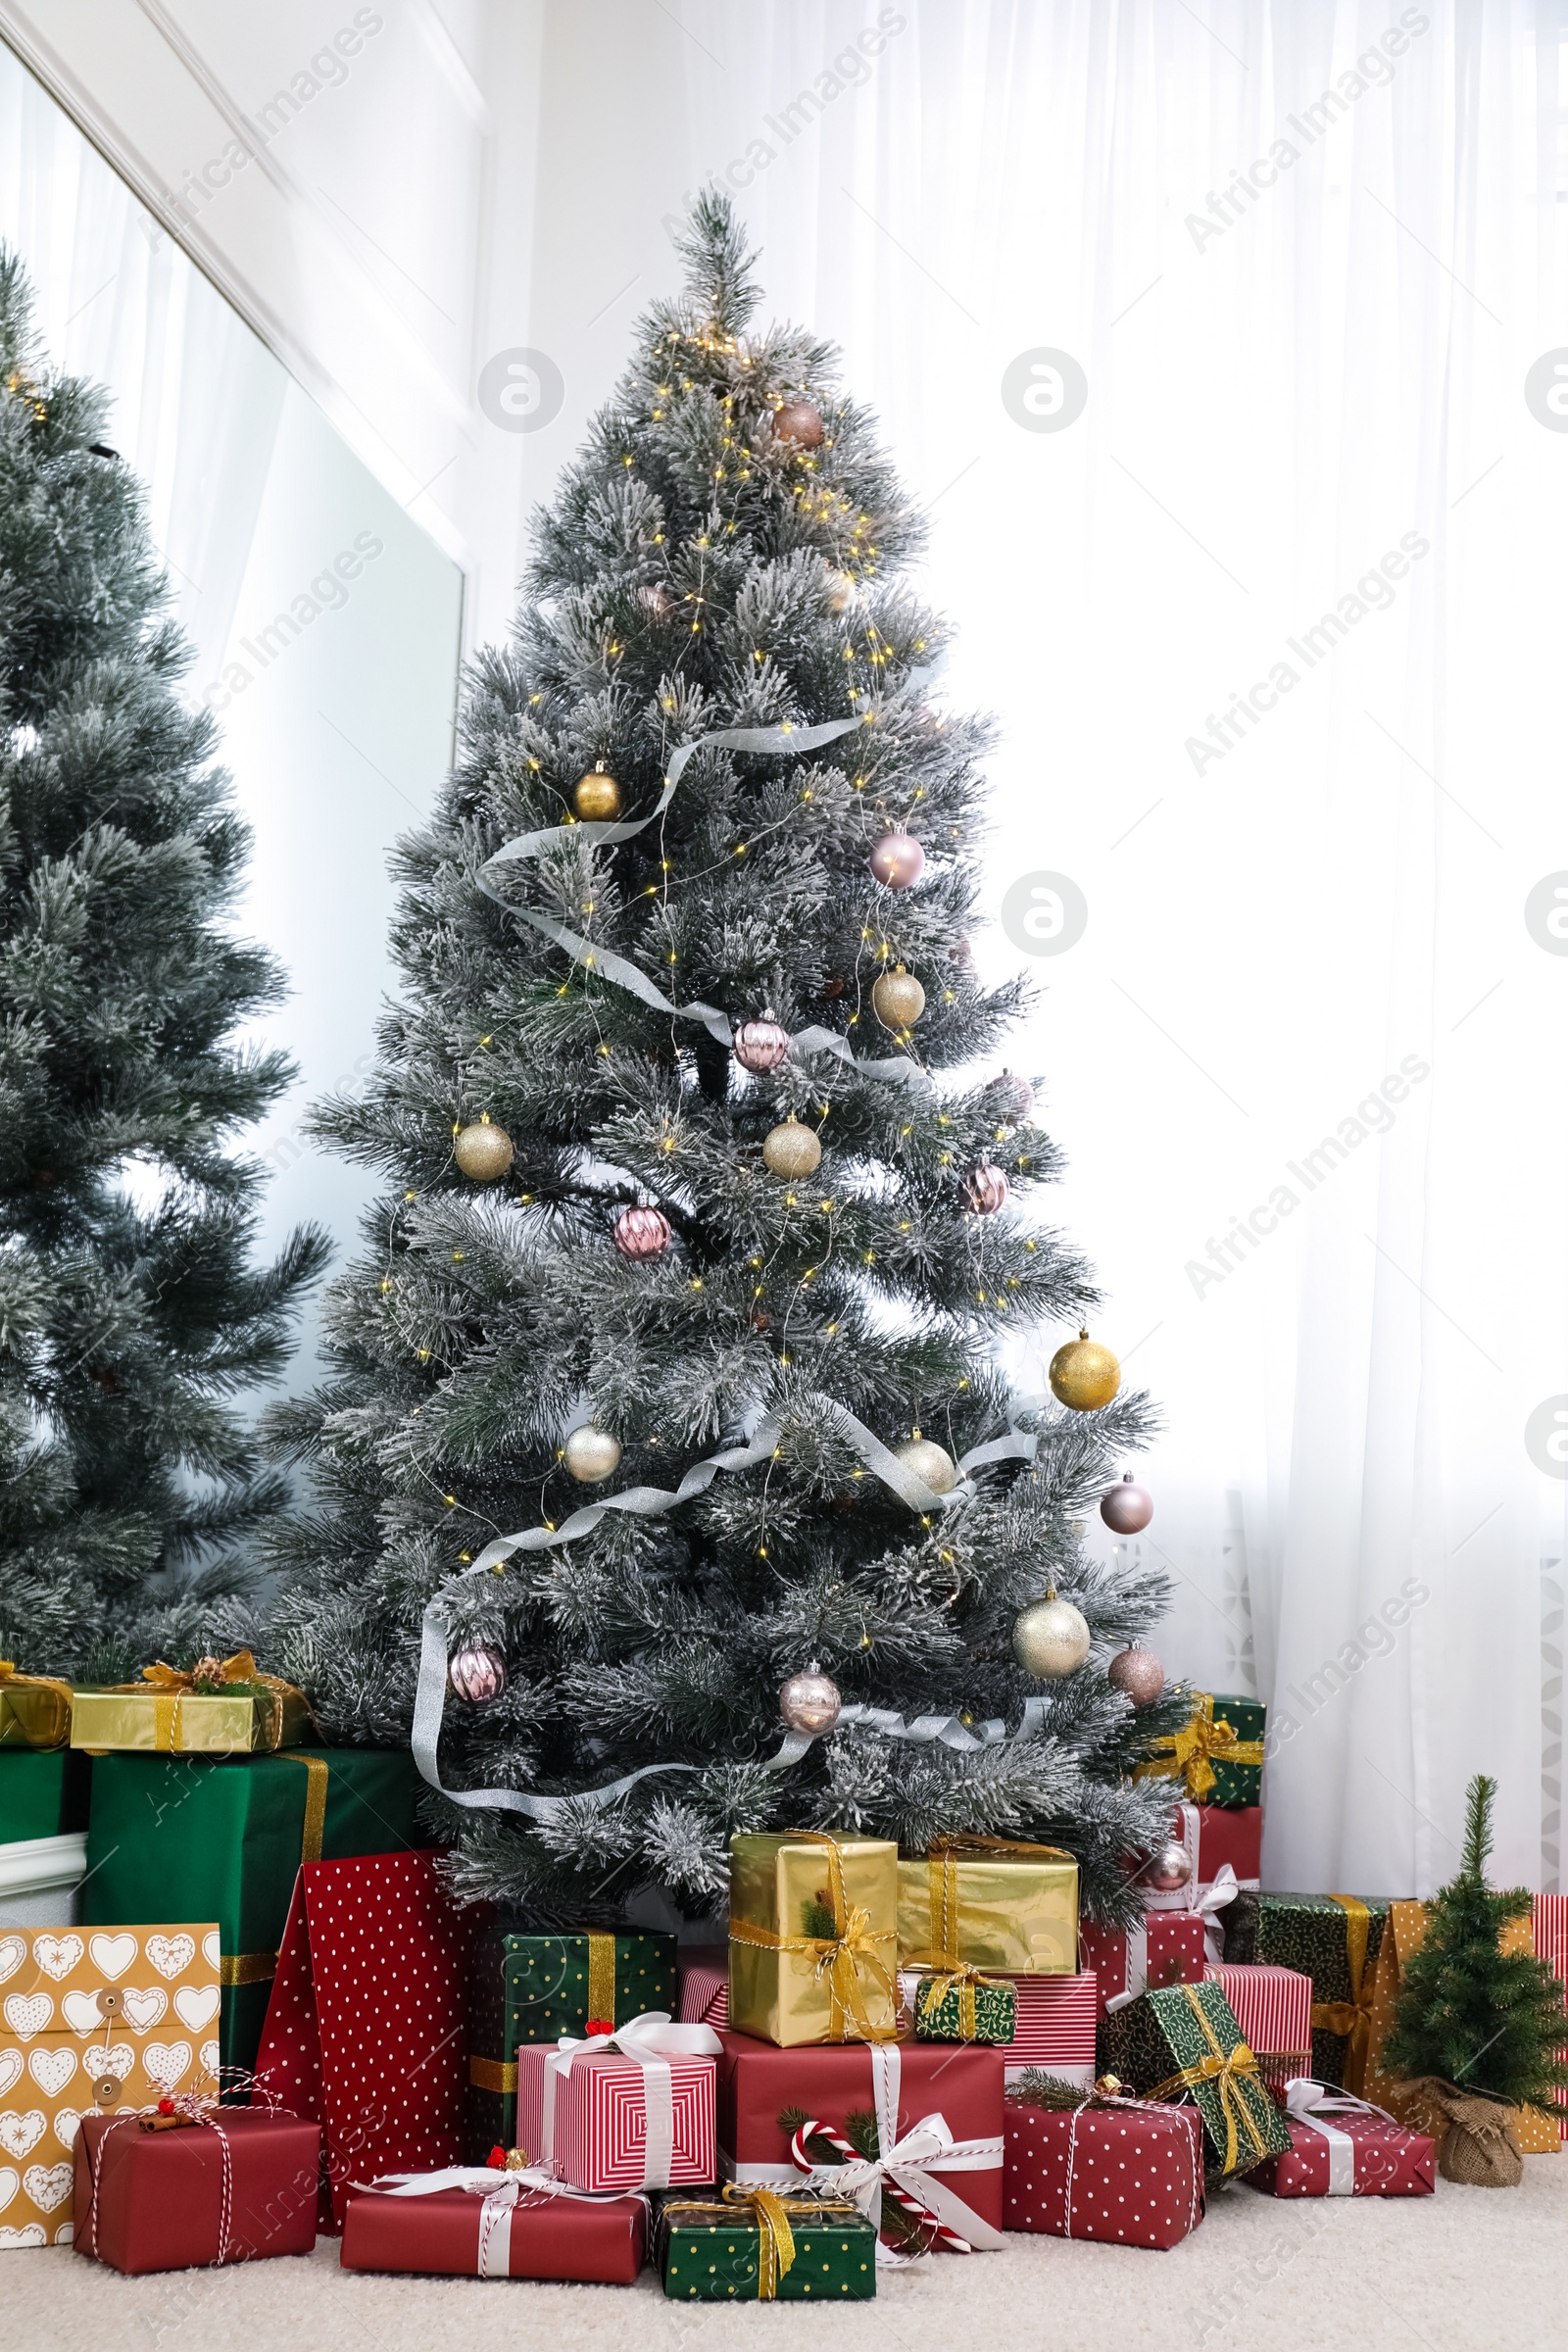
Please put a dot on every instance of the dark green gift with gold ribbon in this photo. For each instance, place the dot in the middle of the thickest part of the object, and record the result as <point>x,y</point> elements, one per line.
<point>186,1837</point>
<point>1184,2043</point>
<point>959,2003</point>
<point>527,1987</point>
<point>1333,1939</point>
<point>1217,1756</point>
<point>761,2245</point>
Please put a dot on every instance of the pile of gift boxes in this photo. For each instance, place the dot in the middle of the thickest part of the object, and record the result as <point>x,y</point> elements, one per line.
<point>889,2056</point>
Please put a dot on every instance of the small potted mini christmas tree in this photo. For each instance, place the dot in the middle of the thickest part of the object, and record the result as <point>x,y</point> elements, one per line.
<point>1479,2026</point>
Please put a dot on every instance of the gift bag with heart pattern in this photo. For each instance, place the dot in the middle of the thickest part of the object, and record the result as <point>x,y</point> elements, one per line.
<point>93,2021</point>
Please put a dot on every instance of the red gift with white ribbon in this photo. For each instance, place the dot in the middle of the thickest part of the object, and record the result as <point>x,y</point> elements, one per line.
<point>1127,2172</point>
<point>1344,2147</point>
<point>1162,1948</point>
<point>466,2220</point>
<point>627,2110</point>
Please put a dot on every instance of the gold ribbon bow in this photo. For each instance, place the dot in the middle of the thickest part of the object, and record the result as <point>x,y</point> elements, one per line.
<point>775,2239</point>
<point>1191,1754</point>
<point>1226,2070</point>
<point>172,1685</point>
<point>60,1716</point>
<point>1352,2018</point>
<point>949,1974</point>
<point>842,1957</point>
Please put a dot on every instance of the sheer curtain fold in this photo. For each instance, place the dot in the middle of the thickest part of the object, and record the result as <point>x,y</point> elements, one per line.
<point>1305,1059</point>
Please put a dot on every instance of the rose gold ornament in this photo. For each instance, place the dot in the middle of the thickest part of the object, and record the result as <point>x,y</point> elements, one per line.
<point>986,1187</point>
<point>841,590</point>
<point>761,1044</point>
<point>1010,1099</point>
<point>1137,1674</point>
<point>810,1701</point>
<point>642,1231</point>
<point>597,797</point>
<point>1049,1639</point>
<point>898,860</point>
<point>797,420</point>
<point>477,1674</point>
<point>656,599</point>
<point>931,1462</point>
<point>1126,1507</point>
<point>792,1150</point>
<point>1166,1870</point>
<point>483,1151</point>
<point>898,1000</point>
<point>1083,1375</point>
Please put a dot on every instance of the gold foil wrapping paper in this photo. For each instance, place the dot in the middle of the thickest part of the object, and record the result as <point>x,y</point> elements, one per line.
<point>206,1723</point>
<point>814,1938</point>
<point>35,1709</point>
<point>1016,1913</point>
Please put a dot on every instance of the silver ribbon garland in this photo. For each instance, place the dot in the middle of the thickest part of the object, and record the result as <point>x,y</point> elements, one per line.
<point>654,1502</point>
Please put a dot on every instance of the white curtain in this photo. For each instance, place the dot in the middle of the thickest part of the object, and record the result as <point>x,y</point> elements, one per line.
<point>1305,256</point>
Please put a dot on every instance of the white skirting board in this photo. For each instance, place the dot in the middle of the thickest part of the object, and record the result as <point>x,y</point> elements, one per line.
<point>39,1878</point>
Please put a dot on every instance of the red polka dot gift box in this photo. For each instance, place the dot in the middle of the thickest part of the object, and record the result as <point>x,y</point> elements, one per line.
<point>1342,2148</point>
<point>364,2028</point>
<point>1126,2172</point>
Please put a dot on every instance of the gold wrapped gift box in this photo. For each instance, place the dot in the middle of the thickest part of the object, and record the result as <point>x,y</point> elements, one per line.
<point>993,1902</point>
<point>814,1937</point>
<point>220,1709</point>
<point>35,1709</point>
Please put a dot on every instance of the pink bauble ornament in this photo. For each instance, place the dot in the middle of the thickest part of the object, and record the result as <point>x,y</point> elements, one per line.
<point>1010,1099</point>
<point>477,1674</point>
<point>1137,1674</point>
<point>1126,1507</point>
<point>656,599</point>
<point>642,1231</point>
<point>986,1189</point>
<point>898,860</point>
<point>761,1044</point>
<point>1168,1870</point>
<point>810,1701</point>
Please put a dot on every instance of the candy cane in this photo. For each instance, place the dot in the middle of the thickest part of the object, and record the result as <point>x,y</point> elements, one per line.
<point>920,2213</point>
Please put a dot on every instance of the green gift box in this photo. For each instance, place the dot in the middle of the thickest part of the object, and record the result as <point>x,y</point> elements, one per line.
<point>964,2007</point>
<point>762,2248</point>
<point>1183,2042</point>
<point>1333,1939</point>
<point>183,1837</point>
<point>526,1987</point>
<point>43,1793</point>
<point>1217,1756</point>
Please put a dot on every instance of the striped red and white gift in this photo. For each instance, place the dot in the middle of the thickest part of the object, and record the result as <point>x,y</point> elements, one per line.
<point>597,2135</point>
<point>1273,2007</point>
<point>703,1997</point>
<point>1551,1925</point>
<point>1056,2028</point>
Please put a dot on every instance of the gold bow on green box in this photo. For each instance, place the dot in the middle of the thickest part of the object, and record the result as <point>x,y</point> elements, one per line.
<point>1217,1755</point>
<point>813,1936</point>
<point>1195,2026</point>
<point>223,1706</point>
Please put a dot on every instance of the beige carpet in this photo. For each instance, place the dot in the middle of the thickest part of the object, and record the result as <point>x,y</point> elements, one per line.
<point>1466,2268</point>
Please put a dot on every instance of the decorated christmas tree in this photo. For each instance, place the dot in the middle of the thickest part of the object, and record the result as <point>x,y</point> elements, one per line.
<point>668,1392</point>
<point>1472,2015</point>
<point>131,1315</point>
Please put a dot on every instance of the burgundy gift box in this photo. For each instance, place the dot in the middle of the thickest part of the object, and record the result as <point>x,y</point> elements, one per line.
<point>1126,2173</point>
<point>156,2201</point>
<point>1383,2160</point>
<point>1214,1835</point>
<point>599,2129</point>
<point>1165,1948</point>
<point>900,2082</point>
<point>599,2240</point>
<point>364,2027</point>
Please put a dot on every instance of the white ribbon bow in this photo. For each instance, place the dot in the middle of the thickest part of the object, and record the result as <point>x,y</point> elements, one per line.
<point>1198,1902</point>
<point>501,2191</point>
<point>651,2040</point>
<point>1311,2104</point>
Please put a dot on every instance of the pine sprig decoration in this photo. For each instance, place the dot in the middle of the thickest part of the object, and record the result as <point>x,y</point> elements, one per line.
<point>1472,2015</point>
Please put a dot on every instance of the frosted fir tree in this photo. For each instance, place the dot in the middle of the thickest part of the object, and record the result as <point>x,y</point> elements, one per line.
<point>129,1474</point>
<point>695,1147</point>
